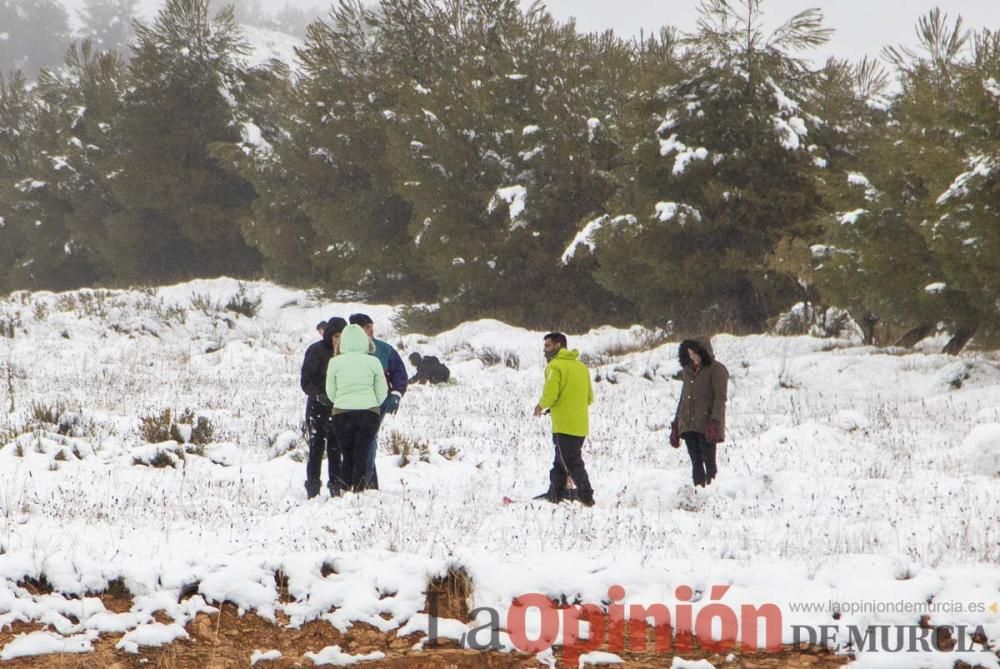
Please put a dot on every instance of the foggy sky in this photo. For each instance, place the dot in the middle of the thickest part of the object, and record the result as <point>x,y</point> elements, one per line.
<point>862,26</point>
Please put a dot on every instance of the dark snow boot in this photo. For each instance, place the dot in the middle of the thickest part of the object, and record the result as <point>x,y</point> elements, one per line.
<point>313,486</point>
<point>550,495</point>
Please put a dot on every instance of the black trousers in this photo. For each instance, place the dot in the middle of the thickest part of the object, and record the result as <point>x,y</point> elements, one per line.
<point>321,440</point>
<point>569,461</point>
<point>702,454</point>
<point>355,431</point>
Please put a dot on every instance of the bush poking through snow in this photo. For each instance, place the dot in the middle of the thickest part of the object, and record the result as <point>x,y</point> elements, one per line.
<point>816,321</point>
<point>156,428</point>
<point>449,595</point>
<point>204,303</point>
<point>243,302</point>
<point>166,454</point>
<point>639,341</point>
<point>414,450</point>
<point>9,325</point>
<point>47,414</point>
<point>161,460</point>
<point>407,448</point>
<point>40,311</point>
<point>285,441</point>
<point>492,357</point>
<point>196,431</point>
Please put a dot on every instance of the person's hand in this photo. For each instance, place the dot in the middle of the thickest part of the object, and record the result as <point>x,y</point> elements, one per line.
<point>712,433</point>
<point>392,403</point>
<point>538,410</point>
<point>324,400</point>
<point>675,438</point>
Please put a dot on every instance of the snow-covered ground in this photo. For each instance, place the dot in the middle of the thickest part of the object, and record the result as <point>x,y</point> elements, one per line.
<point>851,474</point>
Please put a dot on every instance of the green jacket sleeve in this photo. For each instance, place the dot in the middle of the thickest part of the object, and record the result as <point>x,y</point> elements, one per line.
<point>590,390</point>
<point>550,391</point>
<point>331,381</point>
<point>381,385</point>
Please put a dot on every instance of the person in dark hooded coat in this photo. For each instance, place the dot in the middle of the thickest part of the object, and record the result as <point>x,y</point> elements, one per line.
<point>312,380</point>
<point>700,419</point>
<point>429,369</point>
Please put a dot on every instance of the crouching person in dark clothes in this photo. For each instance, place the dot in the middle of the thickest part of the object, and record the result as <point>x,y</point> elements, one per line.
<point>355,383</point>
<point>321,438</point>
<point>701,411</point>
<point>567,394</point>
<point>429,369</point>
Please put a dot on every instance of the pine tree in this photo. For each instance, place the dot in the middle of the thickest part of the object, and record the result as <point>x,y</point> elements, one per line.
<point>722,176</point>
<point>964,233</point>
<point>504,133</point>
<point>180,206</point>
<point>17,118</point>
<point>84,99</point>
<point>327,175</point>
<point>38,249</point>
<point>863,241</point>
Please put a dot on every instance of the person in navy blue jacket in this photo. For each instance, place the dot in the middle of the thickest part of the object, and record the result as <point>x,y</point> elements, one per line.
<point>395,375</point>
<point>312,380</point>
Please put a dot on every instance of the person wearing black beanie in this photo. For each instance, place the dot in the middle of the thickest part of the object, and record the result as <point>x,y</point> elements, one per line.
<point>321,439</point>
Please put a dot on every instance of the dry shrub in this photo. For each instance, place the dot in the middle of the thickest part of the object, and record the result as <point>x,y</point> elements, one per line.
<point>448,596</point>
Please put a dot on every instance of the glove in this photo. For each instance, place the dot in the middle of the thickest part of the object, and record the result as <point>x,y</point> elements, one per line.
<point>323,399</point>
<point>675,439</point>
<point>391,404</point>
<point>712,435</point>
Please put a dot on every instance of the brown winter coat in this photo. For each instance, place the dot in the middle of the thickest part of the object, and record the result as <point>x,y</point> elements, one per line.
<point>703,395</point>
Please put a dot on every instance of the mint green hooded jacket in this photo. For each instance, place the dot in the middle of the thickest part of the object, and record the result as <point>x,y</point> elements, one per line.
<point>354,379</point>
<point>568,393</point>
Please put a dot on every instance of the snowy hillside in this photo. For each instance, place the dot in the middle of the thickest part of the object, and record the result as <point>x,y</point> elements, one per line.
<point>851,474</point>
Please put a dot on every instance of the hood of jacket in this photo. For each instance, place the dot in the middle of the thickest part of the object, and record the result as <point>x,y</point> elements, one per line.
<point>567,354</point>
<point>700,345</point>
<point>354,340</point>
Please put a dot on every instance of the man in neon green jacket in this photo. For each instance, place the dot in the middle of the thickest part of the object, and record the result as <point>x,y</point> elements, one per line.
<point>567,395</point>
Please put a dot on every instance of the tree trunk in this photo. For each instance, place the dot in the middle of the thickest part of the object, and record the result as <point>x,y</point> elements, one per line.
<point>961,337</point>
<point>868,324</point>
<point>910,339</point>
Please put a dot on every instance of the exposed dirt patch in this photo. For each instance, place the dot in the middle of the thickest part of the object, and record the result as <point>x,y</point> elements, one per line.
<point>448,595</point>
<point>36,586</point>
<point>226,641</point>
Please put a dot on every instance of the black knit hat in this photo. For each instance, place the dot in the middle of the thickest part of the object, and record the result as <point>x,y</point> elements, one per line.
<point>335,325</point>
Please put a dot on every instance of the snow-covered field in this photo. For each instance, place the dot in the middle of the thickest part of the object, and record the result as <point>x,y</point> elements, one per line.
<point>852,474</point>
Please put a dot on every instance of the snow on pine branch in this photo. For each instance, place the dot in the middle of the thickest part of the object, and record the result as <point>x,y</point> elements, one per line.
<point>979,166</point>
<point>586,236</point>
<point>669,211</point>
<point>685,154</point>
<point>516,198</point>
